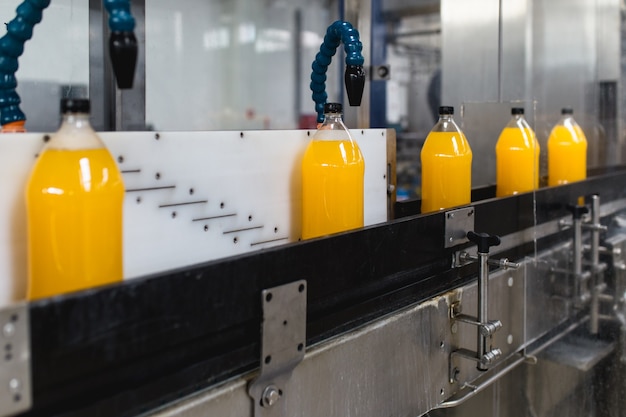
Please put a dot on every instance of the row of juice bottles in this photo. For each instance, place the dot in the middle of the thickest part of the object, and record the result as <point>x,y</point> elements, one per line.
<point>446,159</point>
<point>75,192</point>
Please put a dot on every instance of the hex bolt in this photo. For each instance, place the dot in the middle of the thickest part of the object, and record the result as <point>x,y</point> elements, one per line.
<point>271,395</point>
<point>8,330</point>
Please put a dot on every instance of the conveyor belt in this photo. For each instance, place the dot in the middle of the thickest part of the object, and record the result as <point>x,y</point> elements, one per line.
<point>130,347</point>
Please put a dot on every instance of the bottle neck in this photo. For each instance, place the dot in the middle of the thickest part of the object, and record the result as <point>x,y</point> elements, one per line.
<point>518,121</point>
<point>446,124</point>
<point>77,119</point>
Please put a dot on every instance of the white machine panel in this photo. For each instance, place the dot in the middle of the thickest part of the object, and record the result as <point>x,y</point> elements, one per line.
<point>191,197</point>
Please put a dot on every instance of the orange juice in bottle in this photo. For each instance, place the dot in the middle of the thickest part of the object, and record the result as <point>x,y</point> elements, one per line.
<point>74,203</point>
<point>446,159</point>
<point>567,151</point>
<point>332,179</point>
<point>517,157</point>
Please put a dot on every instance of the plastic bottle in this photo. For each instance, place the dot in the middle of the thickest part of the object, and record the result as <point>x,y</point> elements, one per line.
<point>446,165</point>
<point>332,179</point>
<point>74,203</point>
<point>517,157</point>
<point>567,151</point>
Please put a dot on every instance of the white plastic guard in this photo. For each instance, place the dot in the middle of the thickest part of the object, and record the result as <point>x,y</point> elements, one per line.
<point>191,196</point>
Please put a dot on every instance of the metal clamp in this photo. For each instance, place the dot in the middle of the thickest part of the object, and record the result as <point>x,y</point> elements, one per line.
<point>15,383</point>
<point>457,224</point>
<point>283,339</point>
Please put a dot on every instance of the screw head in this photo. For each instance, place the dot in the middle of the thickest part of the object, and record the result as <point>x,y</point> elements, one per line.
<point>454,328</point>
<point>271,395</point>
<point>14,385</point>
<point>8,330</point>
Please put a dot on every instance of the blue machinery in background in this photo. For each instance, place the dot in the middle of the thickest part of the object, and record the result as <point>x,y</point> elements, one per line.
<point>123,51</point>
<point>354,76</point>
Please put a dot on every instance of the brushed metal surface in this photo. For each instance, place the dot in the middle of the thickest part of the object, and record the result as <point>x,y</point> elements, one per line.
<point>395,366</point>
<point>482,124</point>
<point>470,50</point>
<point>15,378</point>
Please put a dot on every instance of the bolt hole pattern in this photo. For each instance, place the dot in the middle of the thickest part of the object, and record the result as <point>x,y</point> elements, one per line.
<point>250,218</point>
<point>173,215</point>
<point>46,138</point>
<point>300,347</point>
<point>301,288</point>
<point>157,176</point>
<point>191,191</point>
<point>284,322</point>
<point>241,134</point>
<point>120,159</point>
<point>235,240</point>
<point>206,227</point>
<point>276,230</point>
<point>268,359</point>
<point>268,297</point>
<point>157,136</point>
<point>138,200</point>
<point>222,205</point>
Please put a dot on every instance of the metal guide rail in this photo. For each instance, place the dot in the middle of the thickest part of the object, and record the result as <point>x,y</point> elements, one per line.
<point>131,348</point>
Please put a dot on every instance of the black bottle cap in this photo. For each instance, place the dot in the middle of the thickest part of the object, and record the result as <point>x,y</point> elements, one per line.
<point>567,110</point>
<point>333,108</point>
<point>75,105</point>
<point>446,110</point>
<point>517,110</point>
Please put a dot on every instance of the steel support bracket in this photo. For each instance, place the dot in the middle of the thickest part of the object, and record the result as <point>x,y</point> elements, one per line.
<point>458,222</point>
<point>15,379</point>
<point>283,339</point>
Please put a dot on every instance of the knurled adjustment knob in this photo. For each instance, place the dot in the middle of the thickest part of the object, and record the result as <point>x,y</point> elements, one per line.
<point>483,240</point>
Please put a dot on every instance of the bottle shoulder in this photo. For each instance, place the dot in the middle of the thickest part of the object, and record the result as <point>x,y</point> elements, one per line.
<point>446,143</point>
<point>75,135</point>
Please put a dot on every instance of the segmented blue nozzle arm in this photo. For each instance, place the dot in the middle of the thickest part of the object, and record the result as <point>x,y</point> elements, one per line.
<point>120,18</point>
<point>336,33</point>
<point>123,46</point>
<point>19,30</point>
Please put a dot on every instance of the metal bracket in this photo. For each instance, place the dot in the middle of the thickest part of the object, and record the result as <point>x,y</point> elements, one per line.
<point>283,339</point>
<point>15,383</point>
<point>457,224</point>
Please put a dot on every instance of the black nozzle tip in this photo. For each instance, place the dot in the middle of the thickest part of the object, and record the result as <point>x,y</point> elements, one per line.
<point>355,83</point>
<point>123,50</point>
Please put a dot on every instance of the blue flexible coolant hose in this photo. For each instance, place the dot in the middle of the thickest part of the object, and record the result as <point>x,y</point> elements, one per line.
<point>336,33</point>
<point>20,29</point>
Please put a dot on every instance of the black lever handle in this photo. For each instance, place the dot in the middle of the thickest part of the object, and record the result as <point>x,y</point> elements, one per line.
<point>578,211</point>
<point>483,240</point>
